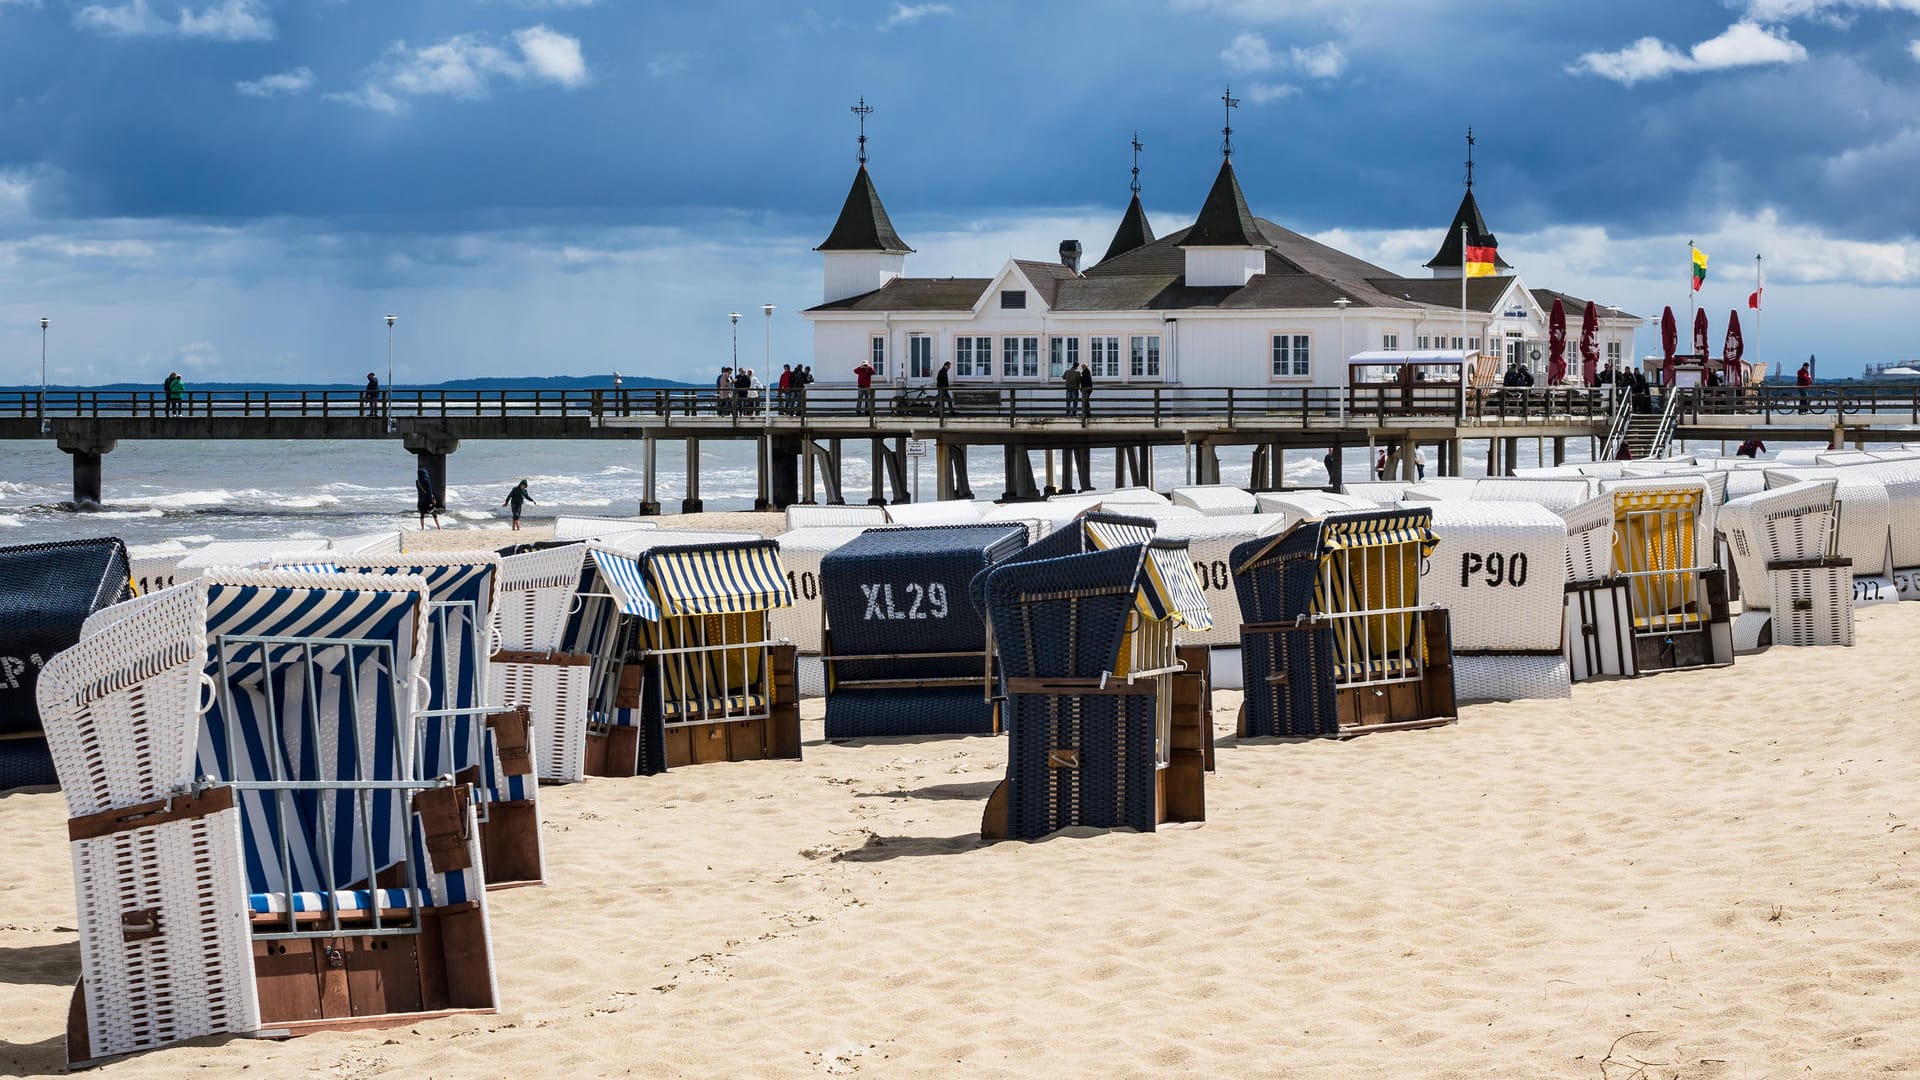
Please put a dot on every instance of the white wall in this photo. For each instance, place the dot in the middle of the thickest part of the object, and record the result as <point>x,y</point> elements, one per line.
<point>851,273</point>
<point>1211,266</point>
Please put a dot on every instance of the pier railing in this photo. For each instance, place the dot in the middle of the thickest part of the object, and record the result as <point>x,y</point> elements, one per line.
<point>1796,404</point>
<point>1153,405</point>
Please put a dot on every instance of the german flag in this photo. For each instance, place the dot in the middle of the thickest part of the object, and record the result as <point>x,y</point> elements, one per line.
<point>1480,257</point>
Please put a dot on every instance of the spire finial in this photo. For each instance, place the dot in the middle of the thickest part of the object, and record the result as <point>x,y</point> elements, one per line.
<point>1232,103</point>
<point>1469,157</point>
<point>862,110</point>
<point>1136,163</point>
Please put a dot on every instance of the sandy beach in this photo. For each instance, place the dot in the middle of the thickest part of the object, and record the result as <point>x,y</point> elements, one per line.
<point>1707,874</point>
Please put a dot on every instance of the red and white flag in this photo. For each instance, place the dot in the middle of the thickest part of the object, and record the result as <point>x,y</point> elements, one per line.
<point>1759,285</point>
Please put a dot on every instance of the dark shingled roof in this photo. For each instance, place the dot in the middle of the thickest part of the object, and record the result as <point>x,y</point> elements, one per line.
<point>915,294</point>
<point>1133,231</point>
<point>1046,277</point>
<point>863,224</point>
<point>1450,254</point>
<point>1482,292</point>
<point>1224,219</point>
<point>1576,307</point>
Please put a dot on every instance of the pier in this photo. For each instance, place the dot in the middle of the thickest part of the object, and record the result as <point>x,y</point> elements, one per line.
<point>803,437</point>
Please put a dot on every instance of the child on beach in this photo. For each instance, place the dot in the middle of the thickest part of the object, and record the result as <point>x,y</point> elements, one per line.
<point>515,499</point>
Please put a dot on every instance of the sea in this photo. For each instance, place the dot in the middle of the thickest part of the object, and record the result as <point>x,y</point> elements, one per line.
<point>196,492</point>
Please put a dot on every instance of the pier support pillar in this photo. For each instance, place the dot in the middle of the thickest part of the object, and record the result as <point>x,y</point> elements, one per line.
<point>950,463</point>
<point>1510,457</point>
<point>1082,463</point>
<point>1019,471</point>
<point>86,454</point>
<point>649,457</point>
<point>1405,453</point>
<point>1456,457</point>
<point>783,470</point>
<point>1206,463</point>
<point>879,471</point>
<point>692,504</point>
<point>430,449</point>
<point>1559,449</point>
<point>1067,459</point>
<point>1257,472</point>
<point>1493,457</point>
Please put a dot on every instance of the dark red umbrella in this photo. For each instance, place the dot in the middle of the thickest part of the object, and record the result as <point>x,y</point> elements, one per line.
<point>1669,341</point>
<point>1590,344</point>
<point>1557,343</point>
<point>1735,349</point>
<point>1700,345</point>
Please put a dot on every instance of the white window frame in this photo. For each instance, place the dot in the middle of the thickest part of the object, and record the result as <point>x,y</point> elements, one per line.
<point>1143,357</point>
<point>970,359</point>
<point>920,355</point>
<point>1294,338</point>
<point>1019,356</point>
<point>1613,353</point>
<point>877,353</point>
<point>1066,349</point>
<point>1103,355</point>
<point>1390,342</point>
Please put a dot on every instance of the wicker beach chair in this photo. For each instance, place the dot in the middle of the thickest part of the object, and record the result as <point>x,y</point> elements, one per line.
<point>1216,500</point>
<point>530,670</point>
<point>254,848</point>
<point>1643,592</point>
<point>47,593</point>
<point>1107,727</point>
<point>463,730</point>
<point>1781,540</point>
<point>905,652</point>
<point>1338,640</point>
<point>1501,574</point>
<point>801,552</point>
<point>834,517</point>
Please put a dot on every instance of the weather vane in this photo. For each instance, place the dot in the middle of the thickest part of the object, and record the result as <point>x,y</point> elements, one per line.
<point>1232,103</point>
<point>1136,163</point>
<point>862,110</point>
<point>1469,157</point>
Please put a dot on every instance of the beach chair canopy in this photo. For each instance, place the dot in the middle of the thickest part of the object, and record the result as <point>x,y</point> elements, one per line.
<point>626,583</point>
<point>47,593</point>
<point>717,579</point>
<point>1169,586</point>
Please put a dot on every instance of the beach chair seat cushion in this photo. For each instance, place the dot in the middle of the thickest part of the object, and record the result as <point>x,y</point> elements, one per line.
<point>360,901</point>
<point>729,706</point>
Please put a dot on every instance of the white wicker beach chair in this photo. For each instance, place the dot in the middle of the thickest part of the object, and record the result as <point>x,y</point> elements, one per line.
<point>1558,494</point>
<point>574,529</point>
<point>800,552</point>
<point>1501,571</point>
<point>529,669</point>
<point>153,565</point>
<point>243,554</point>
<point>374,543</point>
<point>944,512</point>
<point>834,517</point>
<point>252,851</point>
<point>1293,507</point>
<point>1373,492</point>
<point>1794,522</point>
<point>1440,489</point>
<point>1216,500</point>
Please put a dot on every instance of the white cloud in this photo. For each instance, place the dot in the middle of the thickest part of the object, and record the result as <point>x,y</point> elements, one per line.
<point>1773,11</point>
<point>21,3</point>
<point>907,14</point>
<point>297,81</point>
<point>553,5</point>
<point>1744,44</point>
<point>229,20</point>
<point>464,67</point>
<point>1262,93</point>
<point>667,64</point>
<point>1913,48</point>
<point>1250,52</point>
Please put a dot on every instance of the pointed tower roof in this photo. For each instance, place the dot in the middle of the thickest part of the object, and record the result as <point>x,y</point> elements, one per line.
<point>863,224</point>
<point>1450,254</point>
<point>1134,232</point>
<point>1224,219</point>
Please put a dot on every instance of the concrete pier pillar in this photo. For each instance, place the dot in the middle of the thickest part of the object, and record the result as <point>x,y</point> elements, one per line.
<point>86,454</point>
<point>943,471</point>
<point>1019,473</point>
<point>879,470</point>
<point>1559,449</point>
<point>783,470</point>
<point>1083,464</point>
<point>692,504</point>
<point>835,496</point>
<point>1119,466</point>
<point>649,457</point>
<point>430,450</point>
<point>1510,459</point>
<point>1206,463</point>
<point>1456,457</point>
<point>1051,489</point>
<point>1493,457</point>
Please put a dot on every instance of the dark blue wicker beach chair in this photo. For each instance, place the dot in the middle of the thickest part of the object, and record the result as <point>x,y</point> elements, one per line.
<point>46,593</point>
<point>1336,641</point>
<point>905,651</point>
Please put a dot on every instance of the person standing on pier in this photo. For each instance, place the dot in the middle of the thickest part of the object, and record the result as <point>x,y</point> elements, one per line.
<point>742,386</point>
<point>176,393</point>
<point>1804,380</point>
<point>723,391</point>
<point>425,500</point>
<point>1086,390</point>
<point>943,383</point>
<point>370,397</point>
<point>863,381</point>
<point>1072,381</point>
<point>784,394</point>
<point>515,500</point>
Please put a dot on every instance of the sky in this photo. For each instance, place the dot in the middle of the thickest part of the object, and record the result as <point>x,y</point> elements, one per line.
<point>242,189</point>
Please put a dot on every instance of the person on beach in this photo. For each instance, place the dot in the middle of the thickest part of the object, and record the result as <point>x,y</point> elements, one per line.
<point>1086,390</point>
<point>1752,448</point>
<point>425,500</point>
<point>1071,380</point>
<point>1333,471</point>
<point>863,381</point>
<point>943,384</point>
<point>723,391</point>
<point>1419,463</point>
<point>515,500</point>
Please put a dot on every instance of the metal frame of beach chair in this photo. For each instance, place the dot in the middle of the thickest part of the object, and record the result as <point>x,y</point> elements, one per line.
<point>1339,640</point>
<point>47,594</point>
<point>463,730</point>
<point>1107,726</point>
<point>254,850</point>
<point>530,671</point>
<point>904,650</point>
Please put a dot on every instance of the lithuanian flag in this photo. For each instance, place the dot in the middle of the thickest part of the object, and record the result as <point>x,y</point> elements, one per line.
<point>1699,267</point>
<point>1479,258</point>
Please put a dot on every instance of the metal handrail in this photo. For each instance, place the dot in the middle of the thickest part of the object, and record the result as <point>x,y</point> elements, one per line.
<point>1617,429</point>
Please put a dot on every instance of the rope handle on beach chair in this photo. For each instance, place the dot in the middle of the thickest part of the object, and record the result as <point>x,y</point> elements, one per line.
<point>212,694</point>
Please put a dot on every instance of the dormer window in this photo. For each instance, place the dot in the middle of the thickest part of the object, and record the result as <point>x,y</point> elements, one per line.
<point>1013,299</point>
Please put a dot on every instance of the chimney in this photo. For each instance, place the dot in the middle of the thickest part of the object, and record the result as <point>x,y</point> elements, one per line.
<point>1070,255</point>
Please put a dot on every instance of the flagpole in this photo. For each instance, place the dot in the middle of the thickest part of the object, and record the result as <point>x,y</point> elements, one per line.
<point>1463,288</point>
<point>1691,287</point>
<point>1759,299</point>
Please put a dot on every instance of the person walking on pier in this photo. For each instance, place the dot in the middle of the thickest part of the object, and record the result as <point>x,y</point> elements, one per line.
<point>370,397</point>
<point>943,385</point>
<point>425,500</point>
<point>515,500</point>
<point>1086,390</point>
<point>863,382</point>
<point>1071,379</point>
<point>723,391</point>
<point>1804,380</point>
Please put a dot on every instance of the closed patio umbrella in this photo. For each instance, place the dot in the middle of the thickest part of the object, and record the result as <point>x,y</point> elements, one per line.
<point>1731,364</point>
<point>1590,344</point>
<point>1669,341</point>
<point>1557,343</point>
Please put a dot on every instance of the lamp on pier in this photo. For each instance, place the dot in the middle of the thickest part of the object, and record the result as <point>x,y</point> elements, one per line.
<point>43,374</point>
<point>734,318</point>
<point>388,402</point>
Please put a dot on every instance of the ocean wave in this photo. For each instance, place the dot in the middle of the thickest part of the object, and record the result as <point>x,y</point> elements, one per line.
<point>11,521</point>
<point>125,515</point>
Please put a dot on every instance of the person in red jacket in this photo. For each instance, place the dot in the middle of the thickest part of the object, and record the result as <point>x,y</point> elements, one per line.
<point>1804,381</point>
<point>863,378</point>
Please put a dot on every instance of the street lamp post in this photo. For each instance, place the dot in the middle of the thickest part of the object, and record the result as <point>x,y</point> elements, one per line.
<point>43,374</point>
<point>1342,303</point>
<point>388,403</point>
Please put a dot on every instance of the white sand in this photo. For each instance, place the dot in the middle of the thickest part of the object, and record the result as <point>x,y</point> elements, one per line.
<point>1713,872</point>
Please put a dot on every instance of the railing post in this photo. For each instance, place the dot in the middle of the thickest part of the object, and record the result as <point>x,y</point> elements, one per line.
<point>1230,404</point>
<point>503,404</point>
<point>1156,406</point>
